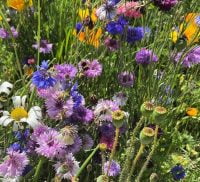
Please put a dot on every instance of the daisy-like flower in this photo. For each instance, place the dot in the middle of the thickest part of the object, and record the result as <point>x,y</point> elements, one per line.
<point>58,106</point>
<point>68,168</point>
<point>114,169</point>
<point>130,9</point>
<point>44,46</point>
<point>94,69</point>
<point>49,144</point>
<point>14,164</point>
<point>104,108</point>
<point>19,5</point>
<point>19,114</point>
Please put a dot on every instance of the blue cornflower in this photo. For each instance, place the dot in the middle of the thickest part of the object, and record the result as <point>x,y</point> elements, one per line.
<point>114,2</point>
<point>42,78</point>
<point>22,136</point>
<point>76,96</point>
<point>116,27</point>
<point>178,172</point>
<point>134,34</point>
<point>79,26</point>
<point>16,147</point>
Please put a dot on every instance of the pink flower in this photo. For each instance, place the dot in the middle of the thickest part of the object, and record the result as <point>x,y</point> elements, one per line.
<point>130,9</point>
<point>14,164</point>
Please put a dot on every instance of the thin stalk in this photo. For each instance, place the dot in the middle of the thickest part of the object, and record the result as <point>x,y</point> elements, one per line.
<point>137,157</point>
<point>86,162</point>
<point>38,170</point>
<point>38,32</point>
<point>149,156</point>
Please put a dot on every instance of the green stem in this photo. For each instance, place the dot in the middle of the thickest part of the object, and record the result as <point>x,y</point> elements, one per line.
<point>38,33</point>
<point>38,170</point>
<point>129,152</point>
<point>86,162</point>
<point>149,156</point>
<point>137,157</point>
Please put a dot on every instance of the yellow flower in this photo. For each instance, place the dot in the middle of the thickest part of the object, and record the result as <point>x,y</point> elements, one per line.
<point>191,111</point>
<point>190,29</point>
<point>118,115</point>
<point>179,159</point>
<point>1,18</point>
<point>19,5</point>
<point>89,34</point>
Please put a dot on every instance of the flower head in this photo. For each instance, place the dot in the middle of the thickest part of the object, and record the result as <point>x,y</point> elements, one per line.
<point>126,79</point>
<point>111,44</point>
<point>87,142</point>
<point>106,11</point>
<point>94,69</point>
<point>145,57</point>
<point>120,98</point>
<point>165,5</point>
<point>14,164</point>
<point>178,172</point>
<point>49,144</point>
<point>44,46</point>
<point>129,9</point>
<point>75,147</point>
<point>68,168</point>
<point>134,34</point>
<point>3,33</point>
<point>191,111</point>
<point>114,169</point>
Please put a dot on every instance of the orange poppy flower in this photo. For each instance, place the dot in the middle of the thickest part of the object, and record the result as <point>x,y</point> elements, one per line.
<point>191,111</point>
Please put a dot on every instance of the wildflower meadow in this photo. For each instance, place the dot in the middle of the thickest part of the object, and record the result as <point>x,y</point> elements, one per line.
<point>99,90</point>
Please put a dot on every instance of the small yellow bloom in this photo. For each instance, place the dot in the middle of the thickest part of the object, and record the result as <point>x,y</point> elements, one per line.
<point>84,13</point>
<point>1,18</point>
<point>191,111</point>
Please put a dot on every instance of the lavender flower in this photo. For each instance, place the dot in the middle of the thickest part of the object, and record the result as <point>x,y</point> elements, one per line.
<point>107,130</point>
<point>75,147</point>
<point>120,98</point>
<point>83,114</point>
<point>126,79</point>
<point>68,168</point>
<point>65,71</point>
<point>14,164</point>
<point>114,169</point>
<point>145,57</point>
<point>104,108</point>
<point>14,32</point>
<point>190,59</point>
<point>106,11</point>
<point>49,144</point>
<point>94,69</point>
<point>43,47</point>
<point>3,33</point>
<point>58,106</point>
<point>87,142</point>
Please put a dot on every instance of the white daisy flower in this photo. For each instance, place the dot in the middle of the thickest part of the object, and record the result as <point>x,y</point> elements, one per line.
<point>5,88</point>
<point>20,115</point>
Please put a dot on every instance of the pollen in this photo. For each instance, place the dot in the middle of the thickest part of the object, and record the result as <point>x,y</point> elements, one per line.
<point>19,113</point>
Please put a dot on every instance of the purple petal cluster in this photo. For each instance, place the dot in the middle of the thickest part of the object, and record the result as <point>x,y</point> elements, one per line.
<point>165,5</point>
<point>114,168</point>
<point>126,79</point>
<point>4,34</point>
<point>65,71</point>
<point>44,46</point>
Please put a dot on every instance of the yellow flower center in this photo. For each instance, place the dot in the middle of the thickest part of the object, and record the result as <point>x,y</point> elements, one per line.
<point>148,131</point>
<point>118,115</point>
<point>19,113</point>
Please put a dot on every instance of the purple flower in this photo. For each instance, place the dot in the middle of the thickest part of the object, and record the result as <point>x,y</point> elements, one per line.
<point>3,33</point>
<point>114,169</point>
<point>68,168</point>
<point>83,114</point>
<point>87,142</point>
<point>111,44</point>
<point>108,141</point>
<point>75,147</point>
<point>145,57</point>
<point>165,5</point>
<point>190,59</point>
<point>40,129</point>
<point>120,98</point>
<point>65,71</point>
<point>14,164</point>
<point>107,130</point>
<point>134,34</point>
<point>58,106</point>
<point>126,79</point>
<point>104,108</point>
<point>43,47</point>
<point>178,172</point>
<point>49,144</point>
<point>94,69</point>
<point>79,27</point>
<point>106,11</point>
<point>14,32</point>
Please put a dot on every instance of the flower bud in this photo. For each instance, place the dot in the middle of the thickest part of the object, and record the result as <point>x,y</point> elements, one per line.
<point>118,118</point>
<point>159,113</point>
<point>146,135</point>
<point>153,177</point>
<point>102,146</point>
<point>102,178</point>
<point>147,109</point>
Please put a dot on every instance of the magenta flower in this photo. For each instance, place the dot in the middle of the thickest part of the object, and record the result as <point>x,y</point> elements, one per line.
<point>14,164</point>
<point>94,69</point>
<point>43,47</point>
<point>65,71</point>
<point>49,144</point>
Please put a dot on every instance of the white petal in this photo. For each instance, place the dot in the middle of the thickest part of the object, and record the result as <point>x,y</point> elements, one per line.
<point>15,127</point>
<point>33,122</point>
<point>2,119</point>
<point>17,101</point>
<point>6,87</point>
<point>35,112</point>
<point>7,121</point>
<point>24,100</point>
<point>6,113</point>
